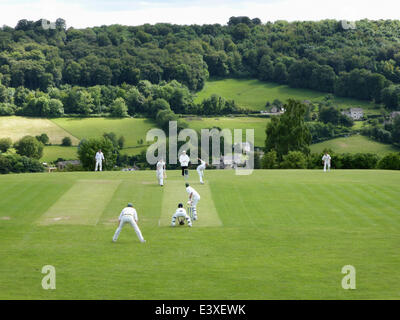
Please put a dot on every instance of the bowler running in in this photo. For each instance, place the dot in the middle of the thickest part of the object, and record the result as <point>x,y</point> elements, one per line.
<point>200,170</point>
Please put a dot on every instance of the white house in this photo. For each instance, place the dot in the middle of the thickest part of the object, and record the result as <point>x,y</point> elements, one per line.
<point>394,114</point>
<point>354,113</point>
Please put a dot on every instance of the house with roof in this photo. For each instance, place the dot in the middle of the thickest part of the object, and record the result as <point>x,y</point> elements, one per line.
<point>354,113</point>
<point>394,114</point>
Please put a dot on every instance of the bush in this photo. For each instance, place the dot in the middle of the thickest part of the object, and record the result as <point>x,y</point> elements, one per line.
<point>43,138</point>
<point>294,160</point>
<point>270,160</point>
<point>257,160</point>
<point>390,162</point>
<point>66,142</point>
<point>19,164</point>
<point>87,150</point>
<point>119,108</point>
<point>121,142</point>
<point>30,147</point>
<point>5,144</point>
<point>365,160</point>
<point>345,161</point>
<point>7,109</point>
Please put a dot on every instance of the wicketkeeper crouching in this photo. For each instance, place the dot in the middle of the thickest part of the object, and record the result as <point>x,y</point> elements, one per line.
<point>181,215</point>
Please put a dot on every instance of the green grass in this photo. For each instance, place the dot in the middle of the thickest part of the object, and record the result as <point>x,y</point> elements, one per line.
<point>16,127</point>
<point>131,128</point>
<point>258,124</point>
<point>52,153</point>
<point>353,144</point>
<point>254,94</point>
<point>283,234</point>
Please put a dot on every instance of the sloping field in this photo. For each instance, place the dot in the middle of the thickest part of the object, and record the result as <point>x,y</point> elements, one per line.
<point>253,94</point>
<point>17,127</point>
<point>353,144</point>
<point>131,128</point>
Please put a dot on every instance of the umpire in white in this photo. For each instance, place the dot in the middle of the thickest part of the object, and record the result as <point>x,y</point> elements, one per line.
<point>128,215</point>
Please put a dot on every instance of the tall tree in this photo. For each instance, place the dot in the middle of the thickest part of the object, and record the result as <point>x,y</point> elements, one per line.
<point>288,132</point>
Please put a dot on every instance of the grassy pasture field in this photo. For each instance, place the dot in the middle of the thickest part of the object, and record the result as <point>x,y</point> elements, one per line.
<point>258,124</point>
<point>16,127</point>
<point>353,144</point>
<point>253,94</point>
<point>275,234</point>
<point>132,129</point>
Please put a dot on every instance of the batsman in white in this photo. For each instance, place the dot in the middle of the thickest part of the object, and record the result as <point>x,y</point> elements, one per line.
<point>160,167</point>
<point>194,198</point>
<point>200,169</point>
<point>99,159</point>
<point>184,161</point>
<point>326,160</point>
<point>128,215</point>
<point>180,213</point>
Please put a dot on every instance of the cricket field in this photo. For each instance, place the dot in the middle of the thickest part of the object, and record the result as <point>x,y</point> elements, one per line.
<point>275,234</point>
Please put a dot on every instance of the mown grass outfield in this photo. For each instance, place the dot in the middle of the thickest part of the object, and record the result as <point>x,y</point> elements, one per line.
<point>253,94</point>
<point>353,144</point>
<point>271,235</point>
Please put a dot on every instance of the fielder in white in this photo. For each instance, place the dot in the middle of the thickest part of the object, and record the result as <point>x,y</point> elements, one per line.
<point>180,213</point>
<point>200,170</point>
<point>128,215</point>
<point>194,198</point>
<point>326,160</point>
<point>99,159</point>
<point>160,167</point>
<point>184,161</point>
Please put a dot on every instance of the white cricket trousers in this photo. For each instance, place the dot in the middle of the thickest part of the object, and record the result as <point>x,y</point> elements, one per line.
<point>160,177</point>
<point>128,219</point>
<point>200,171</point>
<point>194,207</point>
<point>327,165</point>
<point>180,214</point>
<point>98,165</point>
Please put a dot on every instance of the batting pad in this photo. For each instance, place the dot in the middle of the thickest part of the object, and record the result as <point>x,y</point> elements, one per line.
<point>175,192</point>
<point>82,204</point>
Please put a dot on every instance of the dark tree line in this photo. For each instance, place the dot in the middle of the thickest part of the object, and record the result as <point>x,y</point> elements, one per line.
<point>362,63</point>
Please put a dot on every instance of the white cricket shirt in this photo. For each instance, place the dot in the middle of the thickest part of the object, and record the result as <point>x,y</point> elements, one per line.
<point>326,158</point>
<point>190,190</point>
<point>184,160</point>
<point>129,212</point>
<point>99,156</point>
